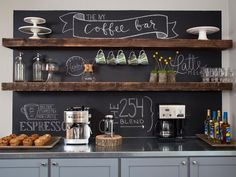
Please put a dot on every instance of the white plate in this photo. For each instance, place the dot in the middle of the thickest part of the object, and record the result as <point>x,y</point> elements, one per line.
<point>34,20</point>
<point>35,30</point>
<point>202,31</point>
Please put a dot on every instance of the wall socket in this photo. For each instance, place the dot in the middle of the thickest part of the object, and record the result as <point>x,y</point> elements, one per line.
<point>171,111</point>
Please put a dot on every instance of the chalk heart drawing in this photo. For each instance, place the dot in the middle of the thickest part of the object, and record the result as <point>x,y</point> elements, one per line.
<point>125,28</point>
<point>30,111</point>
<point>75,65</point>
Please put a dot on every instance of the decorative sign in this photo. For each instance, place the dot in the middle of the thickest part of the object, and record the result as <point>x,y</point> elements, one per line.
<point>39,111</point>
<point>75,66</point>
<point>187,65</point>
<point>180,63</point>
<point>87,26</point>
<point>40,117</point>
<point>133,112</point>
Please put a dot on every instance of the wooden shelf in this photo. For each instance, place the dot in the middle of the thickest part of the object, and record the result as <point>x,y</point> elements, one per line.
<point>124,43</point>
<point>115,86</point>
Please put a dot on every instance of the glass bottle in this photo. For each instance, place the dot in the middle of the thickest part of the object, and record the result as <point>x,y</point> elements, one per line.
<point>219,120</point>
<point>88,75</point>
<point>206,123</point>
<point>214,128</point>
<point>19,75</point>
<point>226,130</point>
<point>37,69</point>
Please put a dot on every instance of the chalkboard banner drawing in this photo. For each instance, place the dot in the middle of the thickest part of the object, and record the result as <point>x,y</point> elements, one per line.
<point>39,111</point>
<point>133,112</point>
<point>158,24</point>
<point>75,65</point>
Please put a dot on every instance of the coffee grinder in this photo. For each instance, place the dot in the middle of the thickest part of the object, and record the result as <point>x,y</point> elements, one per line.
<point>170,123</point>
<point>77,123</point>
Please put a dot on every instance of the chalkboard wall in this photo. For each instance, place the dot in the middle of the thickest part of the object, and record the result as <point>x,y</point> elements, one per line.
<point>135,112</point>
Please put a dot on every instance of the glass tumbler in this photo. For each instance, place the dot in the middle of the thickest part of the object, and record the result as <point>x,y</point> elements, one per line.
<point>230,75</point>
<point>205,73</point>
<point>221,74</point>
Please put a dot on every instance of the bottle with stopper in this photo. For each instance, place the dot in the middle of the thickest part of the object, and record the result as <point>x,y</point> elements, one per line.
<point>37,69</point>
<point>19,75</point>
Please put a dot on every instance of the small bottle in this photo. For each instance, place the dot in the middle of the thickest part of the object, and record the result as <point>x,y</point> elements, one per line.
<point>37,69</point>
<point>214,135</point>
<point>211,131</point>
<point>219,120</point>
<point>19,66</point>
<point>212,122</point>
<point>226,130</point>
<point>88,75</point>
<point>206,123</point>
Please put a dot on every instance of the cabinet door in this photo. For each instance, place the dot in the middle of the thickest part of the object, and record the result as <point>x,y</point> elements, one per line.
<point>84,167</point>
<point>154,167</point>
<point>213,167</point>
<point>24,168</point>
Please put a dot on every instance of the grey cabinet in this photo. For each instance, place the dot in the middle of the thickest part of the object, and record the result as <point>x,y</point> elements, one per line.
<point>84,167</point>
<point>24,168</point>
<point>213,167</point>
<point>154,167</point>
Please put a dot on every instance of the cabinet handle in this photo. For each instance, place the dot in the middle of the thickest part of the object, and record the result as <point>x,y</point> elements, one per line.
<point>194,162</point>
<point>54,163</point>
<point>43,164</point>
<point>183,162</point>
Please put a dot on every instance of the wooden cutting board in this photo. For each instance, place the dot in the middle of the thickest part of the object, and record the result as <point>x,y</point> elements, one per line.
<point>204,138</point>
<point>104,140</point>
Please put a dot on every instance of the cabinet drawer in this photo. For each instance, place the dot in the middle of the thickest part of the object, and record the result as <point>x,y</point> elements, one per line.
<point>154,167</point>
<point>84,167</point>
<point>213,167</point>
<point>24,168</point>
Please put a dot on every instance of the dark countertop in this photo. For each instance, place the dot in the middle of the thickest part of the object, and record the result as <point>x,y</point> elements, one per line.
<point>131,147</point>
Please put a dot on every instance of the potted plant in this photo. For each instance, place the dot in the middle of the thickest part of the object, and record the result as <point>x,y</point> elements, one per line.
<point>162,76</point>
<point>171,76</point>
<point>153,76</point>
<point>164,68</point>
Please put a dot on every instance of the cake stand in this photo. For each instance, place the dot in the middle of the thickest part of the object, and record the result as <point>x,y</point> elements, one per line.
<point>202,31</point>
<point>35,20</point>
<point>35,30</point>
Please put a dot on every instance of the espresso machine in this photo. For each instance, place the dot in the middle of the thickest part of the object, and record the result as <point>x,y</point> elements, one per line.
<point>170,123</point>
<point>77,123</point>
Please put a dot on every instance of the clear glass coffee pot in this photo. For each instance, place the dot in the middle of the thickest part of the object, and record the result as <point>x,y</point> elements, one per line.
<point>108,128</point>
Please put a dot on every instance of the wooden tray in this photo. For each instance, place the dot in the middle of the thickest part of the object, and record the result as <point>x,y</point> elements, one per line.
<point>54,140</point>
<point>204,138</point>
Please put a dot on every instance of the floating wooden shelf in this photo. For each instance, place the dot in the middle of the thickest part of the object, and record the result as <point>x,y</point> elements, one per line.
<point>124,43</point>
<point>115,86</point>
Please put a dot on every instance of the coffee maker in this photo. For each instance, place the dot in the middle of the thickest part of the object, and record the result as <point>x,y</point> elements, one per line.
<point>77,123</point>
<point>170,123</point>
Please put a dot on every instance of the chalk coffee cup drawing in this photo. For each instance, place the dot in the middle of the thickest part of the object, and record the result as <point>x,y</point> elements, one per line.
<point>30,111</point>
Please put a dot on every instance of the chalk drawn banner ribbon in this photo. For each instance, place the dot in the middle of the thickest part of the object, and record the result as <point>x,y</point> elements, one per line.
<point>157,24</point>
